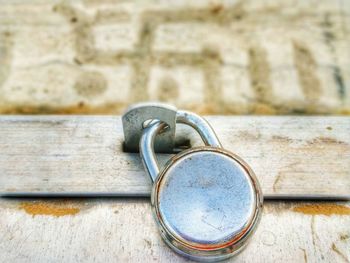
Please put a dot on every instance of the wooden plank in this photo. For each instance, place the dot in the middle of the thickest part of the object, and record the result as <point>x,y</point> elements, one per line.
<point>73,155</point>
<point>120,230</point>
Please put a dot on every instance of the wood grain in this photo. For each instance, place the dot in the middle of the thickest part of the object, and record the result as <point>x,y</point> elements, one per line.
<point>293,157</point>
<point>123,230</point>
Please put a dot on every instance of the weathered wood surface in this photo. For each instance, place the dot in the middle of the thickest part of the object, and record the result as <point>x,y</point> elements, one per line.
<point>213,57</point>
<point>292,156</point>
<point>120,230</point>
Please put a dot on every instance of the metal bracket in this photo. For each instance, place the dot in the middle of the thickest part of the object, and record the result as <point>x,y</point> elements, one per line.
<point>133,123</point>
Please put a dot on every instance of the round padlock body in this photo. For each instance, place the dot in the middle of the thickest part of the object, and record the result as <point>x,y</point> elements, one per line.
<point>207,202</point>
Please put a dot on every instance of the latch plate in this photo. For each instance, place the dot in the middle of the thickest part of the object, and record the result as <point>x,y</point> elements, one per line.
<point>135,117</point>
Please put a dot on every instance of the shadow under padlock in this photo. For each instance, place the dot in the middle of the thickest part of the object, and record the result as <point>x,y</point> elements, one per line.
<point>206,200</point>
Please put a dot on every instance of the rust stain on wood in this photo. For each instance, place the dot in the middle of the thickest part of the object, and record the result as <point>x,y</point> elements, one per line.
<point>49,208</point>
<point>322,209</point>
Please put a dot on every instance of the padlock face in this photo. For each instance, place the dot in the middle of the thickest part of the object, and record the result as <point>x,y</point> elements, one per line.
<point>207,202</point>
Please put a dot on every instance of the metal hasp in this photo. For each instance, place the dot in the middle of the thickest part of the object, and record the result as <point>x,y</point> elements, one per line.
<point>134,120</point>
<point>206,201</point>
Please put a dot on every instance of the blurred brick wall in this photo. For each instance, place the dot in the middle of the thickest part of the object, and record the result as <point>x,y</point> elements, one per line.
<point>229,57</point>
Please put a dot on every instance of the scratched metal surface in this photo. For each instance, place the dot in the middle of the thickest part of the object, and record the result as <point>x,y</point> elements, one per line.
<point>189,182</point>
<point>83,154</point>
<point>123,230</point>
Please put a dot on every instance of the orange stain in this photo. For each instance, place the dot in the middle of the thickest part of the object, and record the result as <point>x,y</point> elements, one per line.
<point>52,209</point>
<point>323,209</point>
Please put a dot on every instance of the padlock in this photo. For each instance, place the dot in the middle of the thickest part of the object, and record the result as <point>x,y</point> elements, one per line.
<point>206,201</point>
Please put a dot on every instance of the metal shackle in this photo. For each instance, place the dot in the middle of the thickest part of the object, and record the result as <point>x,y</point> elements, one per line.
<point>155,127</point>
